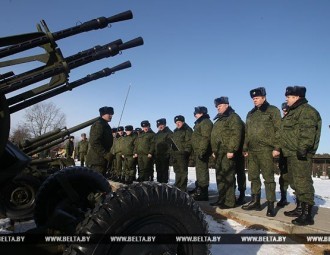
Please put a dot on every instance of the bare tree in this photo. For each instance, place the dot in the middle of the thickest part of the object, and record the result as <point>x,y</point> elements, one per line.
<point>20,134</point>
<point>43,117</point>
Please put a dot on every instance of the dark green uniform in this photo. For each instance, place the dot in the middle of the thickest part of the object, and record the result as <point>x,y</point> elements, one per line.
<point>118,148</point>
<point>226,137</point>
<point>300,136</point>
<point>69,148</point>
<point>100,142</point>
<point>180,155</point>
<point>82,149</point>
<point>162,154</point>
<point>261,138</point>
<point>127,152</point>
<point>200,141</point>
<point>144,145</point>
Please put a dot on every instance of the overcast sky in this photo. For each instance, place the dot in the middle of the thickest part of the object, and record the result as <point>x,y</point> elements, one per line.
<point>194,51</point>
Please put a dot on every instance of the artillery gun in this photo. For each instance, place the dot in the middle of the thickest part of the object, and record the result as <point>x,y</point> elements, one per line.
<point>77,200</point>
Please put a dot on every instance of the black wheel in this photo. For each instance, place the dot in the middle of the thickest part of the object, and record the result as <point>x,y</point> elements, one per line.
<point>65,197</point>
<point>144,208</point>
<point>4,123</point>
<point>19,196</point>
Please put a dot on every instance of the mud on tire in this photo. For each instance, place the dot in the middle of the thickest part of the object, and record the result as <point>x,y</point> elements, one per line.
<point>143,208</point>
<point>64,197</point>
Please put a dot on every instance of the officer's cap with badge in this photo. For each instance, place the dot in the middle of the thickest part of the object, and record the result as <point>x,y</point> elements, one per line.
<point>200,110</point>
<point>129,128</point>
<point>221,100</point>
<point>258,92</point>
<point>299,91</point>
<point>161,121</point>
<point>145,123</point>
<point>179,118</point>
<point>106,110</point>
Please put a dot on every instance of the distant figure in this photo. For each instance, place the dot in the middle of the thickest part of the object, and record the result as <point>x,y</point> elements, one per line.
<point>69,147</point>
<point>82,149</point>
<point>300,137</point>
<point>162,151</point>
<point>100,142</point>
<point>261,146</point>
<point>144,152</point>
<point>127,155</point>
<point>181,150</point>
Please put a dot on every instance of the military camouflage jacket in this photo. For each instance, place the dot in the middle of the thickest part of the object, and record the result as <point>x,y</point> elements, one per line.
<point>82,147</point>
<point>262,128</point>
<point>118,144</point>
<point>100,142</point>
<point>128,143</point>
<point>227,133</point>
<point>201,135</point>
<point>145,143</point>
<point>182,139</point>
<point>163,142</point>
<point>300,129</point>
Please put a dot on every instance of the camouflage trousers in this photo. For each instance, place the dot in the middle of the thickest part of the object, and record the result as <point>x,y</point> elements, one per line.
<point>262,162</point>
<point>225,176</point>
<point>119,165</point>
<point>82,157</point>
<point>285,179</point>
<point>180,167</point>
<point>202,172</point>
<point>129,166</point>
<point>146,168</point>
<point>300,174</point>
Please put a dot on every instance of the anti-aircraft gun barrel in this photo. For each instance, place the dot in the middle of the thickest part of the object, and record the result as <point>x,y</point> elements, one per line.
<point>93,24</point>
<point>69,86</point>
<point>50,136</point>
<point>47,72</point>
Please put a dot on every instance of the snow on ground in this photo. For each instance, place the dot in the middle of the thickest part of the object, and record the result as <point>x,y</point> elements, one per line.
<point>216,226</point>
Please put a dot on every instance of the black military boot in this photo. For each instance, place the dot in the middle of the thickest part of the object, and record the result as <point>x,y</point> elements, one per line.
<point>241,199</point>
<point>295,212</point>
<point>305,218</point>
<point>202,194</point>
<point>283,202</point>
<point>270,209</point>
<point>254,203</point>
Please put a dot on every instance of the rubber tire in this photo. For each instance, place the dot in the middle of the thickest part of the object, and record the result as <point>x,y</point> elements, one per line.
<point>51,194</point>
<point>30,184</point>
<point>4,123</point>
<point>147,207</point>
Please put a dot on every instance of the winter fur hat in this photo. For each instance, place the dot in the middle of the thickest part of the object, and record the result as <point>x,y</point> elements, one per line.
<point>258,92</point>
<point>179,118</point>
<point>121,128</point>
<point>145,123</point>
<point>200,109</point>
<point>161,121</point>
<point>295,91</point>
<point>106,110</point>
<point>221,100</point>
<point>129,128</point>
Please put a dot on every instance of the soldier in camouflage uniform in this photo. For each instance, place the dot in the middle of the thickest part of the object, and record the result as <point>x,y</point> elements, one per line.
<point>82,149</point>
<point>69,147</point>
<point>144,151</point>
<point>118,147</point>
<point>162,150</point>
<point>181,150</point>
<point>227,138</point>
<point>127,155</point>
<point>100,141</point>
<point>201,145</point>
<point>300,136</point>
<point>261,145</point>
